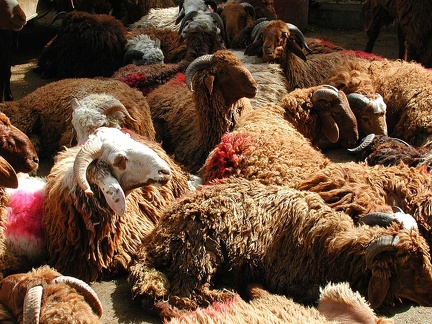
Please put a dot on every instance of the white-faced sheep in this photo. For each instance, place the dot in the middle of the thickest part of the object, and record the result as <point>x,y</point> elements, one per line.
<point>86,45</point>
<point>414,25</point>
<point>101,200</point>
<point>44,296</point>
<point>12,19</point>
<point>225,235</point>
<point>190,117</point>
<point>45,113</point>
<point>337,302</point>
<point>407,99</point>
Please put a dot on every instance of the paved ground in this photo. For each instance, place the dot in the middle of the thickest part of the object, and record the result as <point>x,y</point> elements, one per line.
<point>115,294</point>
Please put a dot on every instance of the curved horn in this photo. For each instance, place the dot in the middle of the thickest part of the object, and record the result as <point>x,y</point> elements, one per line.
<point>132,54</point>
<point>377,218</point>
<point>327,93</point>
<point>378,105</point>
<point>219,21</point>
<point>401,141</point>
<point>381,244</point>
<point>299,36</point>
<point>249,9</point>
<point>91,150</point>
<point>85,290</point>
<point>200,63</point>
<point>257,30</point>
<point>357,100</point>
<point>186,19</point>
<point>180,14</point>
<point>118,106</point>
<point>365,142</point>
<point>32,305</point>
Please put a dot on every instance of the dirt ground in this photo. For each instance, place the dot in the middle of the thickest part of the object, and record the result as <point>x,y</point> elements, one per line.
<point>114,294</point>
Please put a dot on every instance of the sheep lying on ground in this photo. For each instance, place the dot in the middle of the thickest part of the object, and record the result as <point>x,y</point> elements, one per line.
<point>86,45</point>
<point>225,235</point>
<point>158,18</point>
<point>337,301</point>
<point>190,123</point>
<point>45,296</point>
<point>96,214</point>
<point>385,150</point>
<point>407,99</point>
<point>44,113</point>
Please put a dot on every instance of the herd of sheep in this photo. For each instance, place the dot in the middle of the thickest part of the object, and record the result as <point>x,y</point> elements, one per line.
<point>187,143</point>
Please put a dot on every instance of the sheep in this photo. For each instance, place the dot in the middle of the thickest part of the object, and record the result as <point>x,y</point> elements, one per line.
<point>415,28</point>
<point>385,150</point>
<point>225,235</point>
<point>190,117</point>
<point>337,302</point>
<point>12,17</point>
<point>142,50</point>
<point>86,45</point>
<point>44,113</point>
<point>263,8</point>
<point>12,20</point>
<point>96,214</point>
<point>407,100</point>
<point>45,296</point>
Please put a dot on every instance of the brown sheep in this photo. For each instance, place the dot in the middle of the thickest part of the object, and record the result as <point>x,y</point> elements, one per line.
<point>44,296</point>
<point>225,235</point>
<point>12,17</point>
<point>44,114</point>
<point>95,221</point>
<point>414,24</point>
<point>190,117</point>
<point>337,302</point>
<point>407,98</point>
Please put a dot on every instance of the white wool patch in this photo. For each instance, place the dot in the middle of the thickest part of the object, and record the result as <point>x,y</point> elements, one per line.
<point>159,18</point>
<point>152,54</point>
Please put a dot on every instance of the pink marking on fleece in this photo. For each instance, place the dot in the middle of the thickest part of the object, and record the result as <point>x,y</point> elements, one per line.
<point>224,159</point>
<point>364,55</point>
<point>25,215</point>
<point>138,81</point>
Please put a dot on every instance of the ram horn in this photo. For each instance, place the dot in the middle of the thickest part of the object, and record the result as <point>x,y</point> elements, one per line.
<point>299,36</point>
<point>257,30</point>
<point>249,9</point>
<point>377,219</point>
<point>32,305</point>
<point>90,151</point>
<point>83,289</point>
<point>181,13</point>
<point>112,106</point>
<point>401,141</point>
<point>220,24</point>
<point>132,54</point>
<point>382,244</point>
<point>358,101</point>
<point>365,142</point>
<point>186,19</point>
<point>327,93</point>
<point>201,63</point>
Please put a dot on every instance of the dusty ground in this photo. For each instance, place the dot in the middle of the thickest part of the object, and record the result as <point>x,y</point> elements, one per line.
<point>115,294</point>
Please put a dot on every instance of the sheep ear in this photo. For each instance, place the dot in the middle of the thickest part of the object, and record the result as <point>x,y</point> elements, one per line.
<point>254,49</point>
<point>377,289</point>
<point>295,48</point>
<point>329,127</point>
<point>208,81</point>
<point>8,177</point>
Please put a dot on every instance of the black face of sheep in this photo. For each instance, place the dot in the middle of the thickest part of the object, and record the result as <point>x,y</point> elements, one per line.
<point>16,147</point>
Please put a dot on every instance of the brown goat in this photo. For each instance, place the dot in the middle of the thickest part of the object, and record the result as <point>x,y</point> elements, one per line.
<point>228,235</point>
<point>45,296</point>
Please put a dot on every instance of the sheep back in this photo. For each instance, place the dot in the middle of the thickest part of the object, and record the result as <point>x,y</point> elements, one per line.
<point>45,113</point>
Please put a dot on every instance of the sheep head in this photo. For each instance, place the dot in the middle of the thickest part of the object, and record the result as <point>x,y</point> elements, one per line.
<point>223,71</point>
<point>370,113</point>
<point>236,17</point>
<point>401,269</point>
<point>273,39</point>
<point>12,17</point>
<point>132,164</point>
<point>23,293</point>
<point>16,147</point>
